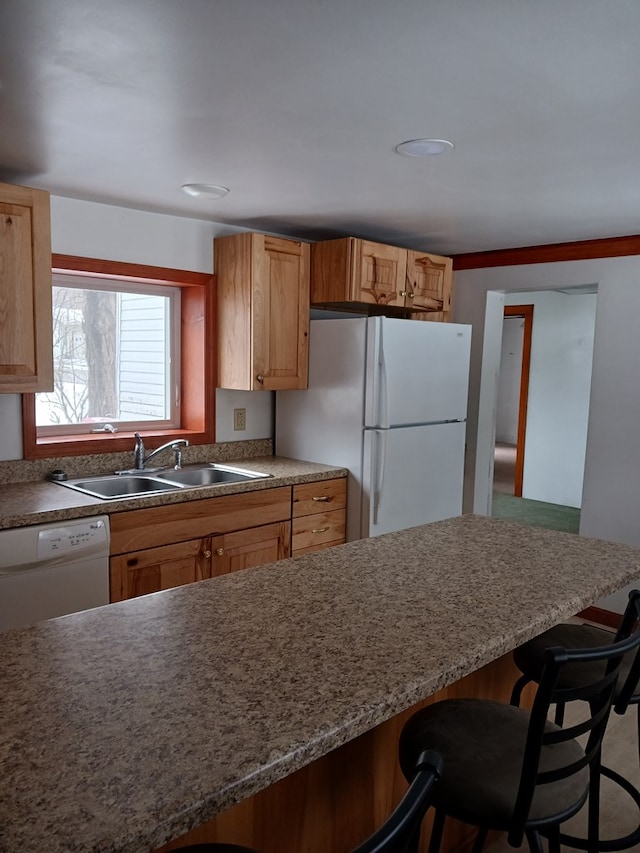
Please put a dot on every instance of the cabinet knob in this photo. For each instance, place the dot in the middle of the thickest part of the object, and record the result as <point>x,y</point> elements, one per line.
<point>219,551</point>
<point>323,498</point>
<point>319,529</point>
<point>411,295</point>
<point>260,378</point>
<point>403,293</point>
<point>207,553</point>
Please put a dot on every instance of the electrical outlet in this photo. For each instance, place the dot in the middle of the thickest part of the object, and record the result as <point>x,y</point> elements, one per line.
<point>239,419</point>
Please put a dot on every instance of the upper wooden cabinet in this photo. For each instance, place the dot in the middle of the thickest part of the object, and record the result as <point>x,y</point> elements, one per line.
<point>263,312</point>
<point>410,283</point>
<point>353,270</point>
<point>26,348</point>
<point>429,282</point>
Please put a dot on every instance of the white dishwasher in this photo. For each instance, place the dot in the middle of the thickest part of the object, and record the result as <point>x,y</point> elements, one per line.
<point>53,569</point>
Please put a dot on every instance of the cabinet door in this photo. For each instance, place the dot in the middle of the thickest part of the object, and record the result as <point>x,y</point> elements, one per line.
<point>247,549</point>
<point>26,349</point>
<point>280,313</point>
<point>379,274</point>
<point>429,279</point>
<point>263,312</point>
<point>154,569</point>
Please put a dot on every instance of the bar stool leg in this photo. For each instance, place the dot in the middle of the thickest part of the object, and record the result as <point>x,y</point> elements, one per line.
<point>535,843</point>
<point>593,831</point>
<point>436,832</point>
<point>481,837</point>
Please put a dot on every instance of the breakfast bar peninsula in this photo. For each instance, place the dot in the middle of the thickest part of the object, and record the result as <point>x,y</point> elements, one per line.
<point>263,706</point>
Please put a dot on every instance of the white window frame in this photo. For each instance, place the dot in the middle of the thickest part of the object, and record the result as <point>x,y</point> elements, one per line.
<point>172,389</point>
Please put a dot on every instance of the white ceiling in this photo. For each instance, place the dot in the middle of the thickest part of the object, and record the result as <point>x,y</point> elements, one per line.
<point>296,105</point>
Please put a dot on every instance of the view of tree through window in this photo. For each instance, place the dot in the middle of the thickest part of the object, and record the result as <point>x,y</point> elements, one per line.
<point>114,356</point>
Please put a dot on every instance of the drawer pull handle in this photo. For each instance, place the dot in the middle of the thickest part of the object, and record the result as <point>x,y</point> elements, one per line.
<point>319,529</point>
<point>324,498</point>
<point>207,553</point>
<point>219,551</point>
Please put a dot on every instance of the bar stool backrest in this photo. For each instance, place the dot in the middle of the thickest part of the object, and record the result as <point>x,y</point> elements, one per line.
<point>401,830</point>
<point>598,692</point>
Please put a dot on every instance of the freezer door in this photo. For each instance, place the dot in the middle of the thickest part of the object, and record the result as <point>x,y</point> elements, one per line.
<point>412,475</point>
<point>416,372</point>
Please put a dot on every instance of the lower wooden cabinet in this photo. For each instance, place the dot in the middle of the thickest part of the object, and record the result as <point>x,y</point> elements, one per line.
<point>246,549</point>
<point>318,515</point>
<point>154,569</point>
<point>163,547</point>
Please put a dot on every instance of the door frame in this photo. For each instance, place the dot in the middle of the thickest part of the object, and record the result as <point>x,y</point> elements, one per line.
<point>526,312</point>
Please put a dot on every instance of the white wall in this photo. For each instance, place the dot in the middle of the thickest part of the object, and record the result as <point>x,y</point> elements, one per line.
<point>509,380</point>
<point>559,386</point>
<point>611,489</point>
<point>114,233</point>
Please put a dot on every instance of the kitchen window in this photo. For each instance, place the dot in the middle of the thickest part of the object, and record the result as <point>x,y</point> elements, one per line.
<point>116,357</point>
<point>133,352</point>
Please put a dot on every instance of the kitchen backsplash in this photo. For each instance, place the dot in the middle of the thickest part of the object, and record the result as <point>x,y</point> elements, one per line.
<point>27,470</point>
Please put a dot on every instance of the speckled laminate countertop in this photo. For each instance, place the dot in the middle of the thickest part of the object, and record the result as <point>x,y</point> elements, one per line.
<point>124,726</point>
<point>39,502</point>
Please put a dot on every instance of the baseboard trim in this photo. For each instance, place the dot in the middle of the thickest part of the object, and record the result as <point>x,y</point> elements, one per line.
<point>602,617</point>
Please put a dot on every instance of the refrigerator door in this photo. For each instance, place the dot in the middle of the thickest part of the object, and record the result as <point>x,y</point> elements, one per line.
<point>412,475</point>
<point>416,372</point>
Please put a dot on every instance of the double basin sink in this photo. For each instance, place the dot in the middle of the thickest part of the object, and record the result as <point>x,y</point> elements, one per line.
<point>131,484</point>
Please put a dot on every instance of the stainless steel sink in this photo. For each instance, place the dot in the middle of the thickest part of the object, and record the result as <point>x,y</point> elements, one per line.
<point>111,488</point>
<point>129,485</point>
<point>209,476</point>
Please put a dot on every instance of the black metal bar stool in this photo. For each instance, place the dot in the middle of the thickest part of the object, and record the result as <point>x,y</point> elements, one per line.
<point>514,771</point>
<point>529,659</point>
<point>400,833</point>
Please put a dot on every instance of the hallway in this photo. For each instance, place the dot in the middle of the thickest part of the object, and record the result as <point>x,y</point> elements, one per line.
<point>535,513</point>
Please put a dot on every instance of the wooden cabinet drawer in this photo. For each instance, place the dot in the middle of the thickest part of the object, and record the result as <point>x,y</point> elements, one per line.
<point>325,495</point>
<point>164,525</point>
<point>314,531</point>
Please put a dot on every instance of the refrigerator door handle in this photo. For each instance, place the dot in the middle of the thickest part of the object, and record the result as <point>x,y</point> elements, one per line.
<point>383,418</point>
<point>380,459</point>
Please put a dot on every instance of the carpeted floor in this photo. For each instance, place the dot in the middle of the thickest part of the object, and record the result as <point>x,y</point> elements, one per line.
<point>536,513</point>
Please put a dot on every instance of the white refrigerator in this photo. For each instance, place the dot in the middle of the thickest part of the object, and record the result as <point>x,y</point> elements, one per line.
<point>387,399</point>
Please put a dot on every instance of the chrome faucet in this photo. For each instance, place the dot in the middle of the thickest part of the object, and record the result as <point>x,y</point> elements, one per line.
<point>140,460</point>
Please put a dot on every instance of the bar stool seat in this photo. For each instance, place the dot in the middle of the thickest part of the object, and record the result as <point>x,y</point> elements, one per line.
<point>529,658</point>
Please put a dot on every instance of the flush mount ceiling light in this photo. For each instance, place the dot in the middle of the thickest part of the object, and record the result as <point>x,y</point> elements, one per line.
<point>205,190</point>
<point>423,147</point>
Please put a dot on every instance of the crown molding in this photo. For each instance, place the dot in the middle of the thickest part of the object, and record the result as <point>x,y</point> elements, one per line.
<point>582,250</point>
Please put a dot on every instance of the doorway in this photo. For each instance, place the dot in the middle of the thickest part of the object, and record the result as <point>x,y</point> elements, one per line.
<point>513,395</point>
<point>552,412</point>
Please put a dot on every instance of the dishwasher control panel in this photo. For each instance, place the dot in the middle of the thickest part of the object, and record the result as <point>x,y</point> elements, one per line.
<point>71,538</point>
